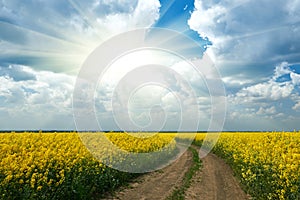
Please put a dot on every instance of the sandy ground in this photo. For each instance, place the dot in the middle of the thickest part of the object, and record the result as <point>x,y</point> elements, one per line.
<point>214,181</point>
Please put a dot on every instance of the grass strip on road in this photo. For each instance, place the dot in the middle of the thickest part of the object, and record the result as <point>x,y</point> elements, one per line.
<point>179,192</point>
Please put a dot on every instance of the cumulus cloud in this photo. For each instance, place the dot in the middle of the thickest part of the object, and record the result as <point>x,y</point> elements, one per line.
<point>143,15</point>
<point>59,35</point>
<point>295,78</point>
<point>249,30</point>
<point>108,7</point>
<point>174,85</point>
<point>56,36</point>
<point>273,89</point>
<point>41,99</point>
<point>272,100</point>
<point>297,106</point>
<point>296,100</point>
<point>59,19</point>
<point>269,90</point>
<point>17,73</point>
<point>263,111</point>
<point>281,69</point>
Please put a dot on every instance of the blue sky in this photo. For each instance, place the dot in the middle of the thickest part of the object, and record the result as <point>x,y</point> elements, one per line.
<point>255,45</point>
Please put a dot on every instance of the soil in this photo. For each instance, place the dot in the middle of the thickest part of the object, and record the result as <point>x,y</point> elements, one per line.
<point>159,184</point>
<point>214,181</point>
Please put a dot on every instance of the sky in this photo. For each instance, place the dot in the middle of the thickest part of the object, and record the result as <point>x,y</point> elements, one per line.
<point>254,45</point>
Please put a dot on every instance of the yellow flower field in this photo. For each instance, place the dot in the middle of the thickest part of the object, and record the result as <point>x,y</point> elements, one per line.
<point>268,164</point>
<point>58,165</point>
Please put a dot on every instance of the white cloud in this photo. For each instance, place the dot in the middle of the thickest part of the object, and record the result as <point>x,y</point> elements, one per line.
<point>249,30</point>
<point>292,8</point>
<point>236,81</point>
<point>262,103</point>
<point>144,15</point>
<point>59,35</point>
<point>296,100</point>
<point>204,20</point>
<point>297,106</point>
<point>268,104</point>
<point>181,90</point>
<point>17,73</point>
<point>281,69</point>
<point>295,78</point>
<point>266,111</point>
<point>269,90</point>
<point>45,100</point>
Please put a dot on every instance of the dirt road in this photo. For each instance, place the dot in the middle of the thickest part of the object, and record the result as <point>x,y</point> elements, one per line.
<point>214,180</point>
<point>159,184</point>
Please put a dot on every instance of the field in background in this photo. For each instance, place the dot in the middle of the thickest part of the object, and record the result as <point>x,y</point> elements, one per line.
<point>58,165</point>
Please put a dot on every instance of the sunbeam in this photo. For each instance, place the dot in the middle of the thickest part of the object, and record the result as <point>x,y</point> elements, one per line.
<point>90,20</point>
<point>53,40</point>
<point>165,8</point>
<point>236,6</point>
<point>257,33</point>
<point>41,50</point>
<point>49,37</point>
